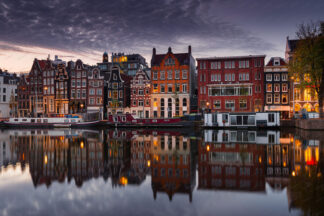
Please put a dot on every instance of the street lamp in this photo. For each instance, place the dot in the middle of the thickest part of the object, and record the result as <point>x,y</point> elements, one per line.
<point>293,87</point>
<point>207,106</point>
<point>45,90</point>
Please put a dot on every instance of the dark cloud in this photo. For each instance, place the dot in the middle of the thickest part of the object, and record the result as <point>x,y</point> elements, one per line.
<point>137,26</point>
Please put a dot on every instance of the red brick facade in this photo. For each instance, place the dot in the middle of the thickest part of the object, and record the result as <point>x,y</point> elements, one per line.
<point>231,84</point>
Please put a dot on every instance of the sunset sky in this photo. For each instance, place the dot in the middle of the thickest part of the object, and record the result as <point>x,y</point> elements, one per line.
<point>85,29</point>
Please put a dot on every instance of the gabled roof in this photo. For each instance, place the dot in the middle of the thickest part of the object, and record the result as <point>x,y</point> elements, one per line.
<point>271,62</point>
<point>183,58</point>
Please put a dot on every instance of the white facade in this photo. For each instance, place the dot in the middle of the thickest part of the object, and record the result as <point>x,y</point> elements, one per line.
<point>8,90</point>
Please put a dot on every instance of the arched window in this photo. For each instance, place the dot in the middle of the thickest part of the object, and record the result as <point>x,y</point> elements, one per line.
<point>184,102</point>
<point>169,108</point>
<point>162,108</point>
<point>177,107</point>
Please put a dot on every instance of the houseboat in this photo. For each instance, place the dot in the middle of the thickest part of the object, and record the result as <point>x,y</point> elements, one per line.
<point>127,120</point>
<point>242,120</point>
<point>59,121</point>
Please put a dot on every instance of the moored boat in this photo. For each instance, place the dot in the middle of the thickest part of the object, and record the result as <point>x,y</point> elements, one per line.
<point>242,120</point>
<point>127,120</point>
<point>65,121</point>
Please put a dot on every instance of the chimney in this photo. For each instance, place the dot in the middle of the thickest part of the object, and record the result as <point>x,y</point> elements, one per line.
<point>169,50</point>
<point>189,49</point>
<point>154,51</point>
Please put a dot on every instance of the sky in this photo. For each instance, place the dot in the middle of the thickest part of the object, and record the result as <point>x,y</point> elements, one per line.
<point>83,29</point>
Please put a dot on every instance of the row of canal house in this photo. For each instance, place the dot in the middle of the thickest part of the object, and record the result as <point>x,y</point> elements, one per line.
<point>171,87</point>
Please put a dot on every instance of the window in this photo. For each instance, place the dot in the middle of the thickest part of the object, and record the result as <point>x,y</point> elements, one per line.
<point>91,100</point>
<point>177,74</point>
<point>233,77</point>
<point>243,104</point>
<point>78,83</point>
<point>99,91</point>
<point>184,74</point>
<point>229,64</point>
<point>73,93</point>
<point>162,88</point>
<point>184,88</point>
<point>285,98</point>
<point>271,117</point>
<point>230,104</point>
<point>217,104</point>
<point>257,88</point>
<point>257,62</point>
<point>114,76</point>
<point>155,75</point>
<point>84,83</point>
<point>120,93</point>
<point>284,87</point>
<point>284,77</point>
<point>170,88</point>
<point>277,98</point>
<point>140,92</point>
<point>215,65</point>
<point>162,75</point>
<point>277,88</point>
<point>184,102</point>
<point>269,77</point>
<point>84,93</point>
<point>276,62</point>
<point>140,103</point>
<point>170,74</point>
<point>177,86</point>
<point>244,64</point>
<point>92,92</point>
<point>134,103</point>
<point>269,87</point>
<point>155,88</point>
<point>276,77</point>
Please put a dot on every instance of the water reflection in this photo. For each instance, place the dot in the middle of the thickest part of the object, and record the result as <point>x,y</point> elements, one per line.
<point>221,160</point>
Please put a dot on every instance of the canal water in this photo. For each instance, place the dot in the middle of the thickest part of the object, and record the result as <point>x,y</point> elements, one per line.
<point>160,172</point>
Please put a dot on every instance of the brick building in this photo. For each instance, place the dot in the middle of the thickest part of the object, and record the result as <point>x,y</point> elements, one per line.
<point>95,90</point>
<point>231,83</point>
<point>78,89</point>
<point>36,87</point>
<point>23,96</point>
<point>276,88</point>
<point>141,95</point>
<point>48,87</point>
<point>173,82</point>
<point>61,89</point>
<point>118,91</point>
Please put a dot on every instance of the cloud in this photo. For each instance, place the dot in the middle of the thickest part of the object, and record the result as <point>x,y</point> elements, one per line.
<point>133,26</point>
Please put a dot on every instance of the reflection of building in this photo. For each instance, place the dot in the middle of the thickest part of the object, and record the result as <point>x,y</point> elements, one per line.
<point>173,83</point>
<point>231,166</point>
<point>301,97</point>
<point>173,165</point>
<point>231,83</point>
<point>141,95</point>
<point>140,158</point>
<point>276,87</point>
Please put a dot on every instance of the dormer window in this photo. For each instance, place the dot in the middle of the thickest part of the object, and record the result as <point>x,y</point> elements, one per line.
<point>276,62</point>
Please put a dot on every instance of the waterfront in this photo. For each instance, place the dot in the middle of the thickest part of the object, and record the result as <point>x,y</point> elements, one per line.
<point>159,172</point>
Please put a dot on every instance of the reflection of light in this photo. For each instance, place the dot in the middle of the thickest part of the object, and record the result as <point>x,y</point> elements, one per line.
<point>260,159</point>
<point>123,180</point>
<point>293,173</point>
<point>155,142</point>
<point>110,152</point>
<point>81,144</point>
<point>207,147</point>
<point>284,164</point>
<point>23,156</point>
<point>45,159</point>
<point>270,161</point>
<point>156,157</point>
<point>148,163</point>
